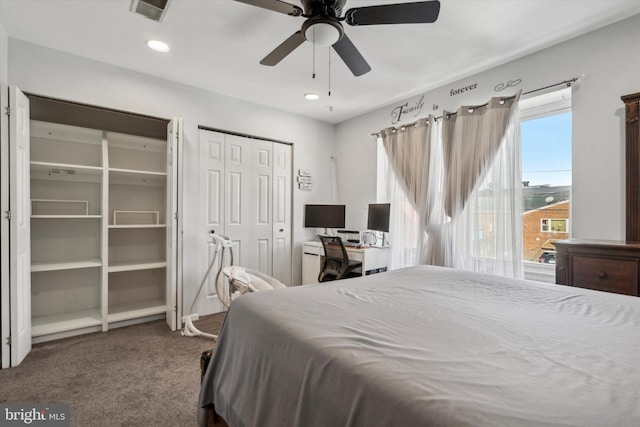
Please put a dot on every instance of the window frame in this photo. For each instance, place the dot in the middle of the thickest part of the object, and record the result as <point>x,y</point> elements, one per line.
<point>538,106</point>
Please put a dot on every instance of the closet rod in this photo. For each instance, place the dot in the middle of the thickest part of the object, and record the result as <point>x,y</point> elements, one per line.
<point>245,135</point>
<point>567,83</point>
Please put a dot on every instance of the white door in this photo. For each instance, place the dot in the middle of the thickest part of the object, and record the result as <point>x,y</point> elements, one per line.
<point>5,307</point>
<point>244,184</point>
<point>237,200</point>
<point>174,238</point>
<point>211,215</point>
<point>260,242</point>
<point>282,170</point>
<point>19,228</point>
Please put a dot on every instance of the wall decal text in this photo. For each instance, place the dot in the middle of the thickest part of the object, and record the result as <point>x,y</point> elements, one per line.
<point>401,110</point>
<point>458,91</point>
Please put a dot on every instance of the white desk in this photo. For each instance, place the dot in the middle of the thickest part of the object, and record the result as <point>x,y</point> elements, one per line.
<point>373,258</point>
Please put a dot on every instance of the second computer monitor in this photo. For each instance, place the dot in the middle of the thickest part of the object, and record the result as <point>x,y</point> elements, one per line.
<point>378,217</point>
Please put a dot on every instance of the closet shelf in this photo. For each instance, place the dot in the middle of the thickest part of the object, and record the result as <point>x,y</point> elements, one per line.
<point>64,265</point>
<point>45,325</point>
<point>65,216</point>
<point>137,177</point>
<point>120,312</point>
<point>139,226</point>
<point>115,267</point>
<point>47,166</point>
<point>135,172</point>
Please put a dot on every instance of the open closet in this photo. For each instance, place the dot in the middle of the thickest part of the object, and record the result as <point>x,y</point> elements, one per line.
<point>99,190</point>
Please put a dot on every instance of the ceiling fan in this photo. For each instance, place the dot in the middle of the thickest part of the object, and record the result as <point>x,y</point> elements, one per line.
<point>323,25</point>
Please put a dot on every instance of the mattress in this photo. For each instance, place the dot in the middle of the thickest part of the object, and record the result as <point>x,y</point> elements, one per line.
<point>427,346</point>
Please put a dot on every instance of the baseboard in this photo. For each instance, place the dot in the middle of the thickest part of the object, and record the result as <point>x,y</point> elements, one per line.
<point>192,316</point>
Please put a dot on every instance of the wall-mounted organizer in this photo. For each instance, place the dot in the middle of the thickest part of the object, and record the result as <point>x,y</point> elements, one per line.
<point>304,180</point>
<point>101,250</point>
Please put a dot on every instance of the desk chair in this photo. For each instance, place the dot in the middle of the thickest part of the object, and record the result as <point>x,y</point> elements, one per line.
<point>337,264</point>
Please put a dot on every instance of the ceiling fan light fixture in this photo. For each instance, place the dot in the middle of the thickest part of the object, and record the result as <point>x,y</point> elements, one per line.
<point>322,34</point>
<point>158,46</point>
<point>311,96</point>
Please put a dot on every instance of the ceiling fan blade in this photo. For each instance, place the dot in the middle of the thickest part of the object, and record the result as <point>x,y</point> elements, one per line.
<point>424,12</point>
<point>275,5</point>
<point>351,56</point>
<point>287,46</point>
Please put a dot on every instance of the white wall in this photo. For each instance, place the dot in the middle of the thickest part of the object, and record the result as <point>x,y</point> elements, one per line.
<point>52,73</point>
<point>611,68</point>
<point>4,58</point>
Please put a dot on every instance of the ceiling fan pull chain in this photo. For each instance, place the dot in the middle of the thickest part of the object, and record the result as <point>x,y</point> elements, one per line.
<point>313,50</point>
<point>329,70</point>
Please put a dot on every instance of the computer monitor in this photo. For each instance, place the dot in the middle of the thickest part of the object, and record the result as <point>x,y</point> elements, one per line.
<point>378,218</point>
<point>324,216</point>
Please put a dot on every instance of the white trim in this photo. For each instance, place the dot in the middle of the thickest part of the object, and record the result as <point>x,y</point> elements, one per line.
<point>547,104</point>
<point>539,271</point>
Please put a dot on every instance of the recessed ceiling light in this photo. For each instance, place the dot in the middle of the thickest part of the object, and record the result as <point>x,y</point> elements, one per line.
<point>158,46</point>
<point>311,96</point>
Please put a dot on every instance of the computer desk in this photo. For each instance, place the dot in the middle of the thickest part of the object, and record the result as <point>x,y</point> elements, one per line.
<point>374,259</point>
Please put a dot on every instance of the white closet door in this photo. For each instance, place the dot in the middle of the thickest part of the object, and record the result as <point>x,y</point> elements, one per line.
<point>260,207</point>
<point>211,211</point>
<point>174,142</point>
<point>245,184</point>
<point>237,200</point>
<point>282,170</point>
<point>20,206</point>
<point>5,307</point>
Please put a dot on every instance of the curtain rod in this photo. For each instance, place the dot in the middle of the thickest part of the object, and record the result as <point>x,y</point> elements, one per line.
<point>567,83</point>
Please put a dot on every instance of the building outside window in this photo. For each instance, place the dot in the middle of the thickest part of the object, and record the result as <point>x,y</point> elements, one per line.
<point>546,175</point>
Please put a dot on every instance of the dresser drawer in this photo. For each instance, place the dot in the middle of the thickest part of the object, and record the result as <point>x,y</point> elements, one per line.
<point>605,274</point>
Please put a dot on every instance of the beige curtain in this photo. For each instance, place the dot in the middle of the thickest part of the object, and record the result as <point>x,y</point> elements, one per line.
<point>483,189</point>
<point>462,175</point>
<point>471,137</point>
<point>408,150</point>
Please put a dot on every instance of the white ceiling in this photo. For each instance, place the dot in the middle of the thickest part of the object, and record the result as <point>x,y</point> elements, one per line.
<point>217,45</point>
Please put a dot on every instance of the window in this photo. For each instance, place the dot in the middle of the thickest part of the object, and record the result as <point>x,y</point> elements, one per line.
<point>545,134</point>
<point>549,225</point>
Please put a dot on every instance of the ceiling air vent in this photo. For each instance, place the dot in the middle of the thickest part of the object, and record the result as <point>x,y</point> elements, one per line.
<point>152,9</point>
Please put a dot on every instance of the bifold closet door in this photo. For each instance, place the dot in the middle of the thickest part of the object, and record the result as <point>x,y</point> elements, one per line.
<point>211,209</point>
<point>246,195</point>
<point>20,229</point>
<point>260,244</point>
<point>237,198</point>
<point>282,170</point>
<point>173,291</point>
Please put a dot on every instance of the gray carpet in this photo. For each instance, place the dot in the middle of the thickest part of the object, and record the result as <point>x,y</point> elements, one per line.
<point>141,375</point>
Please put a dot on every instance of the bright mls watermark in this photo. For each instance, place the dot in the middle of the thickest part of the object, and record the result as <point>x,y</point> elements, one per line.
<point>16,414</point>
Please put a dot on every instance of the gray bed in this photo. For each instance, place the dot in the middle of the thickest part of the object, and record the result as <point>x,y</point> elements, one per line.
<point>427,346</point>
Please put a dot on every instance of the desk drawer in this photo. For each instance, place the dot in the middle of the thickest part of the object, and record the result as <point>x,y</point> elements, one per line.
<point>605,274</point>
<point>312,250</point>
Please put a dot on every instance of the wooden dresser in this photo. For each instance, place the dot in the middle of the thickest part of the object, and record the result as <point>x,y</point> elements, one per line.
<point>610,266</point>
<point>602,265</point>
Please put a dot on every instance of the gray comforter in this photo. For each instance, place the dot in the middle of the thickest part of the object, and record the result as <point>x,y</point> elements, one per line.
<point>428,346</point>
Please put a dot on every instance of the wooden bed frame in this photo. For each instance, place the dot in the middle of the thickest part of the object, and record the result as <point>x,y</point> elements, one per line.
<point>213,419</point>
